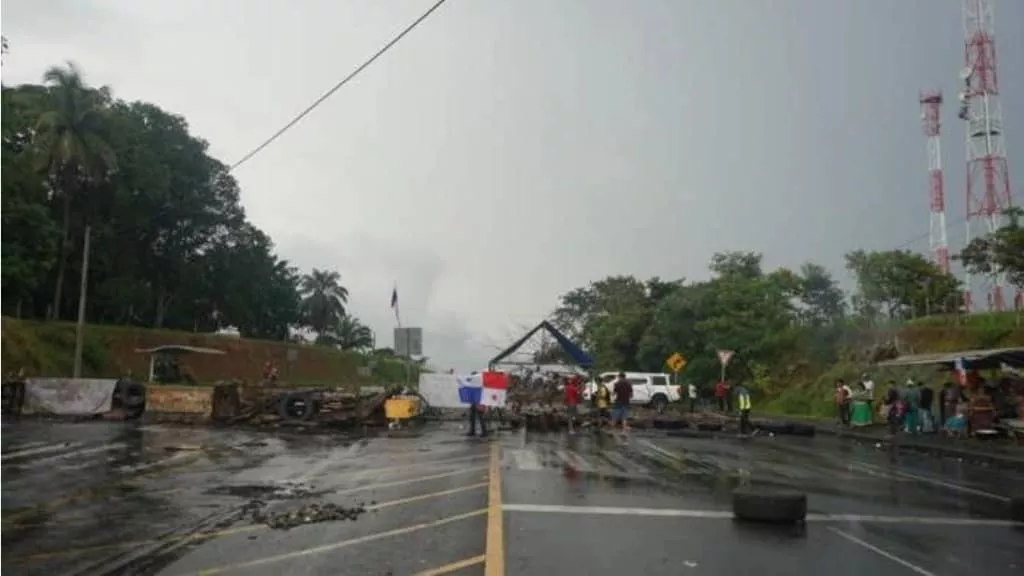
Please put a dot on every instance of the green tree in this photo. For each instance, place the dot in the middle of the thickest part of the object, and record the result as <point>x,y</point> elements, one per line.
<point>348,333</point>
<point>1000,251</point>
<point>323,300</point>
<point>72,135</point>
<point>900,284</point>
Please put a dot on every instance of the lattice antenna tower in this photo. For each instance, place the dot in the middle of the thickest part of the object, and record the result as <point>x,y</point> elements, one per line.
<point>931,105</point>
<point>988,178</point>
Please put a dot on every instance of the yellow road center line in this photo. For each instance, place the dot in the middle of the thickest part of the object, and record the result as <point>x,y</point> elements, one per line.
<point>495,556</point>
<point>227,532</point>
<point>405,481</point>
<point>343,543</point>
<point>453,567</point>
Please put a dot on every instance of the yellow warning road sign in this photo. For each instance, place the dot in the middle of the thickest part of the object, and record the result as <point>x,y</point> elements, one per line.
<point>676,362</point>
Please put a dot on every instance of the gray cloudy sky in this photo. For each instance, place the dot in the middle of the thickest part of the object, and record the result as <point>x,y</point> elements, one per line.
<point>510,150</point>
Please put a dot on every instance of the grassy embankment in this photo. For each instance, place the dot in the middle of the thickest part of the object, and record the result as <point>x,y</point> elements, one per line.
<point>47,349</point>
<point>799,386</point>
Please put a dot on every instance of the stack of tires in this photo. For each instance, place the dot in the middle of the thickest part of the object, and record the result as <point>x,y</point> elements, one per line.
<point>298,406</point>
<point>130,398</point>
<point>13,397</point>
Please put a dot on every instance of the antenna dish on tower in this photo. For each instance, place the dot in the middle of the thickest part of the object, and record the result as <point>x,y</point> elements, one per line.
<point>966,73</point>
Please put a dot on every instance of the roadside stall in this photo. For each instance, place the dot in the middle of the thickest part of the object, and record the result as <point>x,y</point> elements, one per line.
<point>988,389</point>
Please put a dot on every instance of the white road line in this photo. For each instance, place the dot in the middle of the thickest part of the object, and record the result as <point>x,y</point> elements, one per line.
<point>725,514</point>
<point>25,446</point>
<point>614,511</point>
<point>75,454</point>
<point>575,460</point>
<point>624,463</point>
<point>162,462</point>
<point>880,552</point>
<point>660,450</point>
<point>44,450</point>
<point>526,459</point>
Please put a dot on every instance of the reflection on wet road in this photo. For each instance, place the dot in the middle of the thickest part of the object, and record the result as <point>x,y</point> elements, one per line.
<point>109,498</point>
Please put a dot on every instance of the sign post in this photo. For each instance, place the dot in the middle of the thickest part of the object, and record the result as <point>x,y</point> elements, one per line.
<point>676,362</point>
<point>408,343</point>
<point>723,358</point>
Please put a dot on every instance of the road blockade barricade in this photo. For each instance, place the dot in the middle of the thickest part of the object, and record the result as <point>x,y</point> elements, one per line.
<point>191,404</point>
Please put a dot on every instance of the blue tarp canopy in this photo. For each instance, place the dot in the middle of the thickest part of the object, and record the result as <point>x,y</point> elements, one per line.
<point>579,357</point>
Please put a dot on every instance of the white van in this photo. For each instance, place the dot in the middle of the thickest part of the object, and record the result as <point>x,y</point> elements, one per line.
<point>649,388</point>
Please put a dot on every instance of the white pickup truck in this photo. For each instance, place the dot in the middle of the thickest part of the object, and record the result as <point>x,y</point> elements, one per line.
<point>649,388</point>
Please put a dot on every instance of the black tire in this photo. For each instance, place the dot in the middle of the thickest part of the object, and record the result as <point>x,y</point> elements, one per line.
<point>298,406</point>
<point>131,393</point>
<point>751,505</point>
<point>1017,509</point>
<point>686,433</point>
<point>659,402</point>
<point>805,430</point>
<point>773,427</point>
<point>709,426</point>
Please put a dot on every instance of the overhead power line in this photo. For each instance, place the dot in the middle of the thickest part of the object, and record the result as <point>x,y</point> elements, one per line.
<point>337,86</point>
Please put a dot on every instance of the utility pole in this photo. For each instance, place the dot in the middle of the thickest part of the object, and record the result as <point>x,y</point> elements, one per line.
<point>80,327</point>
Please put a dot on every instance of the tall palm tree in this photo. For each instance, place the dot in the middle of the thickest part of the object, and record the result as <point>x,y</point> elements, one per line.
<point>349,334</point>
<point>323,300</point>
<point>71,134</point>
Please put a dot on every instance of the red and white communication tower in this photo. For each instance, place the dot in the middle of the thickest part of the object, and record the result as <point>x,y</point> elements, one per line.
<point>931,104</point>
<point>988,179</point>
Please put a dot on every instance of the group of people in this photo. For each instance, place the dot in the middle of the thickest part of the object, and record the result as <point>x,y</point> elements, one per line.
<point>611,405</point>
<point>907,408</point>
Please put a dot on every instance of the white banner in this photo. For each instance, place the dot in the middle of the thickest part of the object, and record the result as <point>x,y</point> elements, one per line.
<point>68,396</point>
<point>440,390</point>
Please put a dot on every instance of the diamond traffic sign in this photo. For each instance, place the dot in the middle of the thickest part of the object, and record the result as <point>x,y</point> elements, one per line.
<point>676,362</point>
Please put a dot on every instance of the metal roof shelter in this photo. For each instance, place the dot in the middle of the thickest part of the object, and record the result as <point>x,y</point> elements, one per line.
<point>579,357</point>
<point>993,359</point>
<point>174,350</point>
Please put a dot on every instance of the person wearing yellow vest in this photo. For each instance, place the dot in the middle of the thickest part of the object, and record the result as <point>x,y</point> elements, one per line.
<point>743,402</point>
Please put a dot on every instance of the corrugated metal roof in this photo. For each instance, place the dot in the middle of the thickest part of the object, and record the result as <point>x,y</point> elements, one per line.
<point>975,359</point>
<point>179,349</point>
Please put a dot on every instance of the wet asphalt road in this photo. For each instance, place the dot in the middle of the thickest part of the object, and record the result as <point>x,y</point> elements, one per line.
<point>122,499</point>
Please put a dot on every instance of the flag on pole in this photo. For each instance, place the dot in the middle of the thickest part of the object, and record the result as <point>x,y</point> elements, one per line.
<point>394,304</point>
<point>484,388</point>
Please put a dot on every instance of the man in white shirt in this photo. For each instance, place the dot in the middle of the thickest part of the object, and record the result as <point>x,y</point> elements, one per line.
<point>691,393</point>
<point>869,385</point>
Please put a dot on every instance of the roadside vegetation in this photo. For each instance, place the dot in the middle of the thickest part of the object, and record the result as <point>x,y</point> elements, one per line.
<point>170,245</point>
<point>794,332</point>
<point>171,249</point>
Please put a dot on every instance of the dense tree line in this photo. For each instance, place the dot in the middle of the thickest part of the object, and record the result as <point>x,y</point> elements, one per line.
<point>170,244</point>
<point>769,318</point>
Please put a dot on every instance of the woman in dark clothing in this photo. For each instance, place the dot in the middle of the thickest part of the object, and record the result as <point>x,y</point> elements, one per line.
<point>896,408</point>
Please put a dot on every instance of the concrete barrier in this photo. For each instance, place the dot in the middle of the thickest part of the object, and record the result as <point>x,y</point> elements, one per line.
<point>179,403</point>
<point>191,404</point>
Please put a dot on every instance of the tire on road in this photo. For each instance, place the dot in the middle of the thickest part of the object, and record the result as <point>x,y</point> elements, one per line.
<point>300,406</point>
<point>751,505</point>
<point>799,429</point>
<point>687,433</point>
<point>773,427</point>
<point>710,426</point>
<point>1016,506</point>
<point>131,393</point>
<point>659,402</point>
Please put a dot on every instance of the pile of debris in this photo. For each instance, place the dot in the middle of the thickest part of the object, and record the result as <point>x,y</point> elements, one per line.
<point>319,407</point>
<point>308,514</point>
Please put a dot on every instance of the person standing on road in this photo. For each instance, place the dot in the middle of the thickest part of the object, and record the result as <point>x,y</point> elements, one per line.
<point>843,402</point>
<point>602,400</point>
<point>572,402</point>
<point>721,391</point>
<point>691,393</point>
<point>894,408</point>
<point>622,394</point>
<point>743,403</point>
<point>913,401</point>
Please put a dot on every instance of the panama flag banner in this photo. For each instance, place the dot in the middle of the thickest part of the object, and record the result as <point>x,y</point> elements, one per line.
<point>484,388</point>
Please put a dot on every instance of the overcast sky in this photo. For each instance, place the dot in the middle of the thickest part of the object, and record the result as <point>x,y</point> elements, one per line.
<point>509,150</point>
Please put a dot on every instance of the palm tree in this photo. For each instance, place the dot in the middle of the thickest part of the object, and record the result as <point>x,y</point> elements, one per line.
<point>323,300</point>
<point>348,334</point>
<point>70,132</point>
